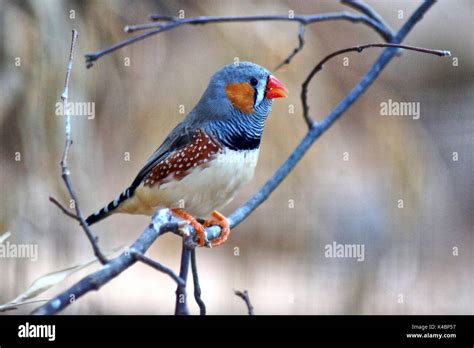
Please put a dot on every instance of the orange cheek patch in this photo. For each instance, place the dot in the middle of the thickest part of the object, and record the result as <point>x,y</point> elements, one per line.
<point>241,95</point>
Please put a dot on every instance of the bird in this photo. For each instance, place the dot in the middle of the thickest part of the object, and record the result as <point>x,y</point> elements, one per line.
<point>209,156</point>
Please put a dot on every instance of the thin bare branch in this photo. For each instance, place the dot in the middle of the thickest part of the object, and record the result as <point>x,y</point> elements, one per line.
<point>181,307</point>
<point>304,88</point>
<point>64,99</point>
<point>367,10</point>
<point>197,286</point>
<point>158,266</point>
<point>64,163</point>
<point>296,50</point>
<point>63,208</point>
<point>245,296</point>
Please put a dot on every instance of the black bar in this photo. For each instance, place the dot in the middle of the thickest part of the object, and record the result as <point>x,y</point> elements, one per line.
<point>138,331</point>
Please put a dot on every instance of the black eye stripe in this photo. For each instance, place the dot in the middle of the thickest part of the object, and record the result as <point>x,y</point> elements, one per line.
<point>254,83</point>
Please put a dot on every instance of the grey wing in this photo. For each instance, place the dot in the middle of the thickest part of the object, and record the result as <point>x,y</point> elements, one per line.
<point>178,138</point>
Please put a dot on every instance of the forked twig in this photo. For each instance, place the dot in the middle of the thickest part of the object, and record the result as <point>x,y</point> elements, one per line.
<point>244,295</point>
<point>304,87</point>
<point>165,23</point>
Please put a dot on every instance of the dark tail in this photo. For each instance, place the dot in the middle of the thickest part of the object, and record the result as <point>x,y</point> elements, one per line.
<point>109,208</point>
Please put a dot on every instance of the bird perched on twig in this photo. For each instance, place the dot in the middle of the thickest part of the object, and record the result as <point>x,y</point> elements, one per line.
<point>207,157</point>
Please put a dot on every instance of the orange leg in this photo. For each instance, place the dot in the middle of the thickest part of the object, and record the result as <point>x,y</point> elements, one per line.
<point>221,221</point>
<point>200,230</point>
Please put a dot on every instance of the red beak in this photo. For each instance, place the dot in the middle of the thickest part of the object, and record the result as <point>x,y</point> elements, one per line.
<point>275,89</point>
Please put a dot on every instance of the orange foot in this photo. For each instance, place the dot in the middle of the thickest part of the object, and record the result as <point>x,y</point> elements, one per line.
<point>220,220</point>
<point>200,230</point>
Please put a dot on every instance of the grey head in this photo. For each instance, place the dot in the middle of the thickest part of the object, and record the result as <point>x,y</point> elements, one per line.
<point>236,104</point>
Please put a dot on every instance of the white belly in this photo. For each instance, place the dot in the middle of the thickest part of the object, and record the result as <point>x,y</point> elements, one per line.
<point>201,191</point>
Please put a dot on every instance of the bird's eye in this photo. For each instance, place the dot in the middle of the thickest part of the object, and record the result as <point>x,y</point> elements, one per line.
<point>253,81</point>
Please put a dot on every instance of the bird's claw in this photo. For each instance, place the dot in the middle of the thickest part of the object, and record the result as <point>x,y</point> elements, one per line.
<point>200,226</point>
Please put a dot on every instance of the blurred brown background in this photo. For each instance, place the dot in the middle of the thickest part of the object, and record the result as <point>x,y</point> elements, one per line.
<point>281,261</point>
